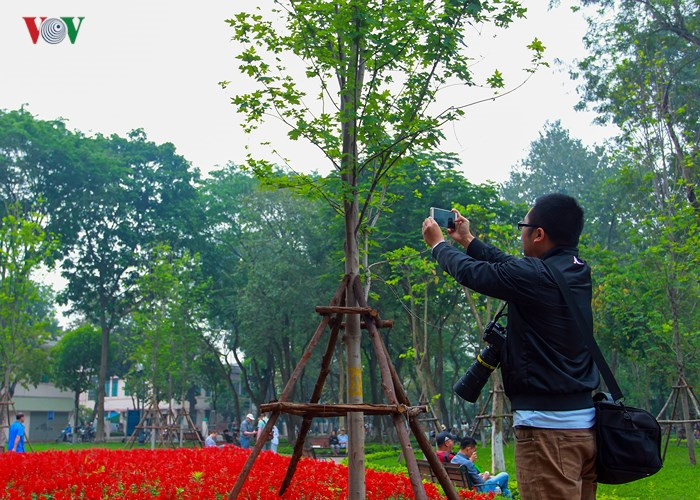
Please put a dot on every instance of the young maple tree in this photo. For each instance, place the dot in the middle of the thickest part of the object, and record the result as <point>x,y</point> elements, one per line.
<point>368,99</point>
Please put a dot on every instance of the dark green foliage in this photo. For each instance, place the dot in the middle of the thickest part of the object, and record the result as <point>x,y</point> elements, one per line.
<point>75,359</point>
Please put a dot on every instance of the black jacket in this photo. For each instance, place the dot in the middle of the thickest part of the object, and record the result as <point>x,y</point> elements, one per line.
<point>545,365</point>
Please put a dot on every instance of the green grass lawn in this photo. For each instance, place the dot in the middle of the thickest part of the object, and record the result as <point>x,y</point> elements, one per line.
<point>678,480</point>
<point>81,446</point>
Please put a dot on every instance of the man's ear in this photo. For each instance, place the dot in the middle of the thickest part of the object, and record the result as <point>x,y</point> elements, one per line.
<point>540,235</point>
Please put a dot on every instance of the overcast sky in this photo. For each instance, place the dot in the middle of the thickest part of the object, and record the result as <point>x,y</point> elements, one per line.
<point>155,65</point>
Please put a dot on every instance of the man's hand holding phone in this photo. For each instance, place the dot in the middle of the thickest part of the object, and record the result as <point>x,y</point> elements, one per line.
<point>432,234</point>
<point>461,233</point>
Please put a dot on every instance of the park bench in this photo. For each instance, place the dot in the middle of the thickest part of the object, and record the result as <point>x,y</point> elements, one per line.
<point>192,436</point>
<point>321,444</point>
<point>457,474</point>
<point>311,453</point>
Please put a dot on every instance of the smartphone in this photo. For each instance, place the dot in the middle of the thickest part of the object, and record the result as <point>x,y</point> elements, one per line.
<point>444,218</point>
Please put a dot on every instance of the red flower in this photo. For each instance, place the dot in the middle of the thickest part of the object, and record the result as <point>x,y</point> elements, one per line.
<point>184,474</point>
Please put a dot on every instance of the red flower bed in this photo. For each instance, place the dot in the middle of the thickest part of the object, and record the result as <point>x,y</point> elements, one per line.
<point>183,474</point>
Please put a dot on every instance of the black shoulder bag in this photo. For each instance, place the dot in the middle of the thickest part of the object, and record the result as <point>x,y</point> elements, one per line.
<point>628,439</point>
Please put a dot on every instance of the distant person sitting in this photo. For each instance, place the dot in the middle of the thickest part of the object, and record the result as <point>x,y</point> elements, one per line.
<point>228,437</point>
<point>445,443</point>
<point>210,441</point>
<point>342,439</point>
<point>334,443</point>
<point>482,481</point>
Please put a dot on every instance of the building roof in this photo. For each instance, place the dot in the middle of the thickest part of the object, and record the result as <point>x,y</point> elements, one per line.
<point>27,403</point>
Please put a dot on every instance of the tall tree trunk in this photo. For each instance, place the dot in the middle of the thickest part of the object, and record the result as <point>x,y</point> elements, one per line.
<point>498,461</point>
<point>356,429</point>
<point>439,383</point>
<point>5,410</point>
<point>349,94</point>
<point>104,353</point>
<point>192,400</point>
<point>74,436</point>
<point>155,417</point>
<point>497,456</point>
<point>341,379</point>
<point>374,385</point>
<point>678,349</point>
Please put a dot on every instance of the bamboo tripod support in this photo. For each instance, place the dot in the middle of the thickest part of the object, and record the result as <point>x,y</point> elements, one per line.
<point>167,430</point>
<point>399,407</point>
<point>681,390</point>
<point>492,416</point>
<point>430,419</point>
<point>5,403</point>
<point>182,413</point>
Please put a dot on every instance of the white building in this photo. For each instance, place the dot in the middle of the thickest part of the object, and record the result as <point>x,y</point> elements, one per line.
<point>120,405</point>
<point>47,410</point>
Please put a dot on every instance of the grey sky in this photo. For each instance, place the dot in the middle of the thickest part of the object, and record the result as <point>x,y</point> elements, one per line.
<point>155,65</point>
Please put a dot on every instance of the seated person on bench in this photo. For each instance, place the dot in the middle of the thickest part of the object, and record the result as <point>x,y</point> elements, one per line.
<point>210,441</point>
<point>445,442</point>
<point>334,443</point>
<point>483,481</point>
<point>343,440</point>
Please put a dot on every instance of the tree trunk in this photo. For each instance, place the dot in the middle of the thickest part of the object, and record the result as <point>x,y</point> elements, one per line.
<point>678,349</point>
<point>374,385</point>
<point>104,353</point>
<point>74,437</point>
<point>192,400</point>
<point>350,90</point>
<point>341,379</point>
<point>439,385</point>
<point>498,461</point>
<point>356,429</point>
<point>5,409</point>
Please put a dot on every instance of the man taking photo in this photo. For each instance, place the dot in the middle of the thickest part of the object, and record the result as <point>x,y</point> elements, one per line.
<point>548,374</point>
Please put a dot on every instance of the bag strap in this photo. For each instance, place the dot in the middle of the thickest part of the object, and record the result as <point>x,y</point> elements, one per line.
<point>586,334</point>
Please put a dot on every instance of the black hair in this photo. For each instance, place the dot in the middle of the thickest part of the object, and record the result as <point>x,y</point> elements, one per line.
<point>560,216</point>
<point>19,415</point>
<point>467,441</point>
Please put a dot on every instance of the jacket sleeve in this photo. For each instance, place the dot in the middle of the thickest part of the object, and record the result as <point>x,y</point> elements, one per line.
<point>481,251</point>
<point>493,272</point>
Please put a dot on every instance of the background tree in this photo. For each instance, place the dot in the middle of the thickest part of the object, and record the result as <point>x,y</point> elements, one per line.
<point>557,162</point>
<point>134,194</point>
<point>642,75</point>
<point>448,321</point>
<point>75,363</point>
<point>24,246</point>
<point>270,262</point>
<point>168,320</point>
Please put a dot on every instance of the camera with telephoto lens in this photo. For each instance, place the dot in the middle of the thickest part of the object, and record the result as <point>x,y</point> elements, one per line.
<point>470,385</point>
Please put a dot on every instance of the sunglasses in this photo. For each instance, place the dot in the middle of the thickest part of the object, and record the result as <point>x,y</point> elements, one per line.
<point>521,225</point>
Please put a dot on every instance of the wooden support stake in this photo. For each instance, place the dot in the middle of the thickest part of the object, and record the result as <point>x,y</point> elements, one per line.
<point>310,410</point>
<point>315,397</point>
<point>328,310</point>
<point>423,441</point>
<point>382,323</point>
<point>388,386</point>
<point>259,443</point>
<point>338,298</point>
